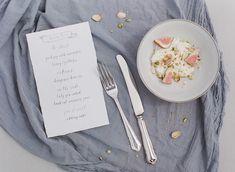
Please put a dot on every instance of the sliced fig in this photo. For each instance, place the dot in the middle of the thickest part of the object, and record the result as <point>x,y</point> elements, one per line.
<point>164,42</point>
<point>192,59</point>
<point>168,77</point>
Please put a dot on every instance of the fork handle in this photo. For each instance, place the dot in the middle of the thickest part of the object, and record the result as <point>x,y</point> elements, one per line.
<point>134,141</point>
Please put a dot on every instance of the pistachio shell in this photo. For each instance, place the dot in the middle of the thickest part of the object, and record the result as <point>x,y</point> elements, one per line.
<point>96,17</point>
<point>121,15</point>
<point>176,134</point>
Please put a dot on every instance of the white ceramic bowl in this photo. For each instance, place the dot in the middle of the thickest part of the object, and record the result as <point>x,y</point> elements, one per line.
<point>204,77</point>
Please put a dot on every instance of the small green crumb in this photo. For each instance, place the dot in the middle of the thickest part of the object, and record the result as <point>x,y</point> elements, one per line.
<point>128,20</point>
<point>156,63</point>
<point>185,120</point>
<point>120,25</point>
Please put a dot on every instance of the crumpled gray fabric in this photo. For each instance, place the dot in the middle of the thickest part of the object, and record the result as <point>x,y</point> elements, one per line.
<point>20,115</point>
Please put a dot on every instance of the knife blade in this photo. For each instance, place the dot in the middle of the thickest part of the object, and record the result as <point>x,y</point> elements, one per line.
<point>138,109</point>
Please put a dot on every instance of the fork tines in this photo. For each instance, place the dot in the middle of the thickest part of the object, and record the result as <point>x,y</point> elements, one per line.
<point>106,77</point>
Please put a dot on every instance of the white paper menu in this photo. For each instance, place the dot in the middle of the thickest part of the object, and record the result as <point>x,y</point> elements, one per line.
<point>65,69</point>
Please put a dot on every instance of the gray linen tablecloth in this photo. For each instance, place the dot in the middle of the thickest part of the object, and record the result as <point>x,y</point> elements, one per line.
<point>195,151</point>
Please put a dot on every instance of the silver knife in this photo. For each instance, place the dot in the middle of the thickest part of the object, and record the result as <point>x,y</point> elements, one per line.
<point>138,109</point>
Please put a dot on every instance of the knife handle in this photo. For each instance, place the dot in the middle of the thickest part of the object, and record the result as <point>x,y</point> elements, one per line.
<point>148,146</point>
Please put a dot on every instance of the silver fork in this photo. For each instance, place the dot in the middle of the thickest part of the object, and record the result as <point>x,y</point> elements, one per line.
<point>111,89</point>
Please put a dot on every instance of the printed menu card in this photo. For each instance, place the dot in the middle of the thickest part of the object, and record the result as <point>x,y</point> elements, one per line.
<point>65,68</point>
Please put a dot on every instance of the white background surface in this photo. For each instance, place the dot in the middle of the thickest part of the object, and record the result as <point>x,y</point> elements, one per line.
<point>15,158</point>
